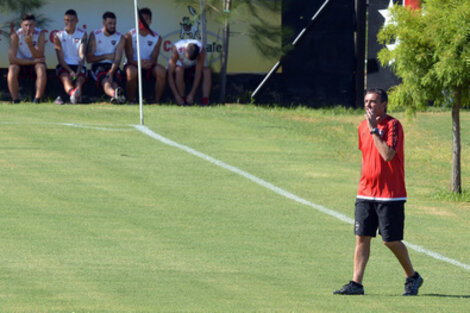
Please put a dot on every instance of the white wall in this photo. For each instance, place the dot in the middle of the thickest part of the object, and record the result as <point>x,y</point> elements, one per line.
<point>167,16</point>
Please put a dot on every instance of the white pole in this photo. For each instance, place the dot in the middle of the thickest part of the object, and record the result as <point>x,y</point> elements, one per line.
<point>139,66</point>
<point>202,8</point>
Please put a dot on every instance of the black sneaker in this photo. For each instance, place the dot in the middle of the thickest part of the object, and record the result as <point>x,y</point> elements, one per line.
<point>352,288</point>
<point>16,101</point>
<point>36,100</point>
<point>412,285</point>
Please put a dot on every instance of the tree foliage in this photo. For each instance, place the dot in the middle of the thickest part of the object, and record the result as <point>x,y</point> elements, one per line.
<point>432,59</point>
<point>19,8</point>
<point>433,55</point>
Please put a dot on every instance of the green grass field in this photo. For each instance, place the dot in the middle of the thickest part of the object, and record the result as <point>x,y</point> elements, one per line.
<point>98,217</point>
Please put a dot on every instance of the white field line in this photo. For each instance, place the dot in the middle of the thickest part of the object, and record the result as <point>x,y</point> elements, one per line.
<point>93,127</point>
<point>285,193</point>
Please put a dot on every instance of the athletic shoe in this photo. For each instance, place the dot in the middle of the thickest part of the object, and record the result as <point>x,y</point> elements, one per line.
<point>73,96</point>
<point>412,285</point>
<point>17,101</point>
<point>352,288</point>
<point>59,100</point>
<point>36,100</point>
<point>119,95</point>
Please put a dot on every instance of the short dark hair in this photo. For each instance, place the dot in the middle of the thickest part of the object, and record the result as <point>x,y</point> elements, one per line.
<point>71,12</point>
<point>382,93</point>
<point>146,11</point>
<point>28,17</point>
<point>192,50</point>
<point>108,14</point>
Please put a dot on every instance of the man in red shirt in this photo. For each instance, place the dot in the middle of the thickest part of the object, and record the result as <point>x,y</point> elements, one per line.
<point>381,195</point>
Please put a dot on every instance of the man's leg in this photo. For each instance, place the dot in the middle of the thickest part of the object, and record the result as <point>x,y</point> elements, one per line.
<point>361,256</point>
<point>41,79</point>
<point>159,73</point>
<point>108,86</point>
<point>206,85</point>
<point>13,85</point>
<point>80,82</point>
<point>401,252</point>
<point>179,81</point>
<point>131,73</point>
<point>66,81</point>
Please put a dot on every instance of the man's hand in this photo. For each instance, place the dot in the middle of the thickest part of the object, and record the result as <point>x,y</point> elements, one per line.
<point>371,118</point>
<point>28,38</point>
<point>40,60</point>
<point>190,99</point>
<point>146,64</point>
<point>109,75</point>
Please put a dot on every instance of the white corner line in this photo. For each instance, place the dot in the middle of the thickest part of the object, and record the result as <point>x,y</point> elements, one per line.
<point>285,193</point>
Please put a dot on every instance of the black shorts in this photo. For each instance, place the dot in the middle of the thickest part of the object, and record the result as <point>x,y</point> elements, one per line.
<point>387,216</point>
<point>59,70</point>
<point>147,74</point>
<point>99,71</point>
<point>27,71</point>
<point>189,73</point>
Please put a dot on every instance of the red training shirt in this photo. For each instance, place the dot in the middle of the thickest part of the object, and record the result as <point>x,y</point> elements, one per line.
<point>381,180</point>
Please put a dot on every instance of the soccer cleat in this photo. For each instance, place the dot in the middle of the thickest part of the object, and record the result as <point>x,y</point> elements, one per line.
<point>36,100</point>
<point>119,95</point>
<point>73,96</point>
<point>412,285</point>
<point>16,101</point>
<point>352,288</point>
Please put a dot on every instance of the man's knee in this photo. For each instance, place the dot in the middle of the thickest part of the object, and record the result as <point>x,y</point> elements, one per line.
<point>391,244</point>
<point>363,239</point>
<point>13,70</point>
<point>179,73</point>
<point>160,72</point>
<point>131,73</point>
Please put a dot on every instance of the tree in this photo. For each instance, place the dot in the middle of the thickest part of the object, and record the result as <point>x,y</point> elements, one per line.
<point>433,61</point>
<point>265,35</point>
<point>20,7</point>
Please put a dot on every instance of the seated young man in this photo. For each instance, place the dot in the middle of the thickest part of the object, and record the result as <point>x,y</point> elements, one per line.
<point>105,48</point>
<point>150,43</point>
<point>26,55</point>
<point>187,59</point>
<point>70,45</point>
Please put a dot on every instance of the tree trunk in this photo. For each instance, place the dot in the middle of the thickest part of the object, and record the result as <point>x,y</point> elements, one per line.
<point>456,147</point>
<point>226,34</point>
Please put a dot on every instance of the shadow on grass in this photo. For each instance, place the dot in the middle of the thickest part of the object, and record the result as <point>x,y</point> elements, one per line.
<point>445,296</point>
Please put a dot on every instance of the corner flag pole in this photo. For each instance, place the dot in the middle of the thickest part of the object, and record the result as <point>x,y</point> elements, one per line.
<point>294,43</point>
<point>139,65</point>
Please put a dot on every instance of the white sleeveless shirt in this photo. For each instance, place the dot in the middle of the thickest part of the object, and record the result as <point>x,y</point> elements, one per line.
<point>106,44</point>
<point>181,48</point>
<point>147,44</point>
<point>71,45</point>
<point>23,49</point>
